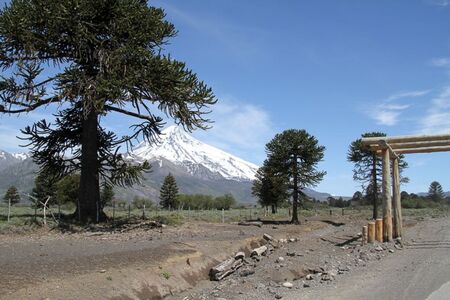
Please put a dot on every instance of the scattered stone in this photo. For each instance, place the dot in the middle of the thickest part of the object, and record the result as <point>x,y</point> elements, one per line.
<point>364,256</point>
<point>309,277</point>
<point>239,255</point>
<point>398,247</point>
<point>327,277</point>
<point>287,284</point>
<point>267,237</point>
<point>306,285</point>
<point>102,271</point>
<point>391,250</point>
<point>290,253</point>
<point>282,241</point>
<point>292,240</point>
<point>278,296</point>
<point>280,259</point>
<point>274,227</point>
<point>379,248</point>
<point>259,251</point>
<point>246,271</point>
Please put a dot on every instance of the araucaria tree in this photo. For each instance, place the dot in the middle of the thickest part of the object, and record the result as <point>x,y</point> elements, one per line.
<point>271,189</point>
<point>169,193</point>
<point>88,59</point>
<point>12,196</point>
<point>436,192</point>
<point>367,168</point>
<point>294,155</point>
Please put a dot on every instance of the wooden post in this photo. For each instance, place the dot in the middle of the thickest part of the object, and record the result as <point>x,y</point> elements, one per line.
<point>396,203</point>
<point>129,211</point>
<point>379,230</point>
<point>387,205</point>
<point>9,208</point>
<point>371,232</point>
<point>223,216</point>
<point>143,212</point>
<point>364,235</point>
<point>114,211</point>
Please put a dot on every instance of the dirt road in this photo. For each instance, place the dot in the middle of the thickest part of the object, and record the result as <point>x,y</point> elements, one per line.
<point>420,271</point>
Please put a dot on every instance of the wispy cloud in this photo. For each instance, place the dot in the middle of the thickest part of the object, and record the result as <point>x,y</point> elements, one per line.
<point>441,62</point>
<point>240,128</point>
<point>437,117</point>
<point>442,3</point>
<point>407,94</point>
<point>387,112</point>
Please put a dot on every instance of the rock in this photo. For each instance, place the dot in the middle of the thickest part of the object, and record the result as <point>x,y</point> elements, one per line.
<point>309,277</point>
<point>278,296</point>
<point>287,284</point>
<point>290,253</point>
<point>282,241</point>
<point>379,248</point>
<point>267,237</point>
<point>280,259</point>
<point>391,250</point>
<point>259,251</point>
<point>246,271</point>
<point>292,240</point>
<point>274,227</point>
<point>102,271</point>
<point>327,277</point>
<point>398,247</point>
<point>239,255</point>
<point>364,256</point>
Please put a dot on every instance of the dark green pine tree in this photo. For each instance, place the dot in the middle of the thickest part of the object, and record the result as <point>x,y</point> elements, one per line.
<point>367,169</point>
<point>294,155</point>
<point>436,192</point>
<point>89,59</point>
<point>12,196</point>
<point>271,190</point>
<point>45,186</point>
<point>106,195</point>
<point>169,193</point>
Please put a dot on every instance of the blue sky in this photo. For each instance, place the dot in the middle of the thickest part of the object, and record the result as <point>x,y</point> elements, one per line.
<point>335,68</point>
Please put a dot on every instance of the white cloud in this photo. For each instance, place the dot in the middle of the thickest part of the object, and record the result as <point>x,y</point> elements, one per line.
<point>437,118</point>
<point>387,112</point>
<point>407,94</point>
<point>441,62</point>
<point>442,3</point>
<point>240,128</point>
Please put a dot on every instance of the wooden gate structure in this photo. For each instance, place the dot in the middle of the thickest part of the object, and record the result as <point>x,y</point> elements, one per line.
<point>389,148</point>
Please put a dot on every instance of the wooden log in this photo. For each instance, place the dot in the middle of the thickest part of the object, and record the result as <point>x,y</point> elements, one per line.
<point>406,139</point>
<point>364,235</point>
<point>225,268</point>
<point>371,232</point>
<point>387,201</point>
<point>259,251</point>
<point>250,223</point>
<point>379,230</point>
<point>396,203</point>
<point>412,145</point>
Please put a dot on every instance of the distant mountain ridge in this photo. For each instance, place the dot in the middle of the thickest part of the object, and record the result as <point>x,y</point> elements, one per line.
<point>197,167</point>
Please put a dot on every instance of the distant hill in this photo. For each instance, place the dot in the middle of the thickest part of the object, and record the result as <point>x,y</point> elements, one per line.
<point>197,167</point>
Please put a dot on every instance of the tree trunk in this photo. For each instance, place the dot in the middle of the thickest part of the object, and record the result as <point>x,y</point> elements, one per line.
<point>295,193</point>
<point>375,187</point>
<point>89,193</point>
<point>273,209</point>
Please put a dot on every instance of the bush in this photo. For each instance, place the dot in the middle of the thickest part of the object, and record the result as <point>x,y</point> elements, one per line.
<point>139,202</point>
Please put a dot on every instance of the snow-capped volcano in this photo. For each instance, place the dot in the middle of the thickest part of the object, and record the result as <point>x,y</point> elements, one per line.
<point>182,149</point>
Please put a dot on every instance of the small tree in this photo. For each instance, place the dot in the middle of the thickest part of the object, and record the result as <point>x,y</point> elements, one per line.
<point>44,187</point>
<point>106,195</point>
<point>435,192</point>
<point>169,193</point>
<point>12,196</point>
<point>270,189</point>
<point>293,155</point>
<point>67,189</point>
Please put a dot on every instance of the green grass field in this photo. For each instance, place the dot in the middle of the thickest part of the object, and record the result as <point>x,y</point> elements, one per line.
<point>23,218</point>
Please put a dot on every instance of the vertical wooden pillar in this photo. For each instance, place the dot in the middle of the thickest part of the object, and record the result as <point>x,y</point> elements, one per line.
<point>387,205</point>
<point>371,232</point>
<point>379,230</point>
<point>364,235</point>
<point>396,203</point>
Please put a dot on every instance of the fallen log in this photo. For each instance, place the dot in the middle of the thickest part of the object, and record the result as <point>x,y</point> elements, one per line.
<point>251,223</point>
<point>225,268</point>
<point>259,251</point>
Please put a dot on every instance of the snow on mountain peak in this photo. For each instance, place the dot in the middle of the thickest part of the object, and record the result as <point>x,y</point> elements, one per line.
<point>182,149</point>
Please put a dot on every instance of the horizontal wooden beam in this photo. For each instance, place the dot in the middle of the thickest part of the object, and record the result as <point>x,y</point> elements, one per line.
<point>412,145</point>
<point>406,139</point>
<point>423,150</point>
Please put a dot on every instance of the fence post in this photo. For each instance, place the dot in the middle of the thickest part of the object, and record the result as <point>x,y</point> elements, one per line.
<point>114,212</point>
<point>9,208</point>
<point>97,210</point>
<point>143,212</point>
<point>129,211</point>
<point>223,216</point>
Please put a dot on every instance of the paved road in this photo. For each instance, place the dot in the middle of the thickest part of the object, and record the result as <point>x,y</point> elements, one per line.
<point>420,271</point>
